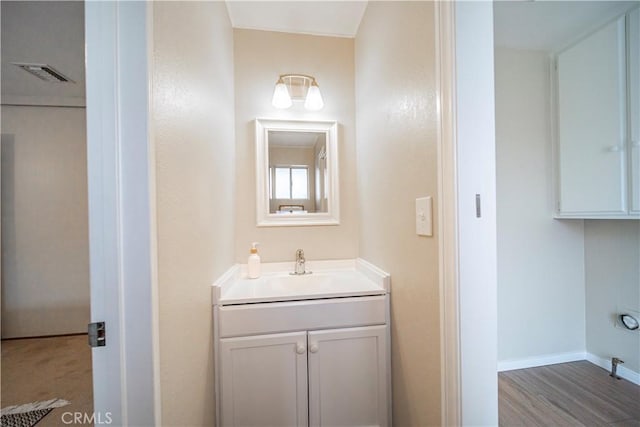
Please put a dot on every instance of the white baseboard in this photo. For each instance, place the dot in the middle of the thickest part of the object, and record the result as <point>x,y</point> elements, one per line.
<point>552,359</point>
<point>622,371</point>
<point>532,362</point>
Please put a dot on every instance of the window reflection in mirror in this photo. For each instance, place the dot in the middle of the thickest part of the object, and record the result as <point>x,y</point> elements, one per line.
<point>297,172</point>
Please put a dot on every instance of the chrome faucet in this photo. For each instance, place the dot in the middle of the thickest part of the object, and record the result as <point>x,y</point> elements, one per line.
<point>300,263</point>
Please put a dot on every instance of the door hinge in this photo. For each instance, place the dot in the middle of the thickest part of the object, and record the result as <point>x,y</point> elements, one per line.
<point>97,334</point>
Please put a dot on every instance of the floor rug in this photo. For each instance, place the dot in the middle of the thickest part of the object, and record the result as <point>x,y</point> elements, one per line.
<point>29,414</point>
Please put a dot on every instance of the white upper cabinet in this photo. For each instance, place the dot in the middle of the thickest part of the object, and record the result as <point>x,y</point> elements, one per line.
<point>633,29</point>
<point>592,147</point>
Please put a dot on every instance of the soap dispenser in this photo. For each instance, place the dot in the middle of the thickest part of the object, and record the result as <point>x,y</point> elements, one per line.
<point>253,264</point>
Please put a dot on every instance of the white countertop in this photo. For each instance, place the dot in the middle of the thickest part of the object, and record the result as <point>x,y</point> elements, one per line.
<point>329,279</point>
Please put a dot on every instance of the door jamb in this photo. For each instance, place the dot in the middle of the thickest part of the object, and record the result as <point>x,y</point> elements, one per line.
<point>121,180</point>
<point>448,213</point>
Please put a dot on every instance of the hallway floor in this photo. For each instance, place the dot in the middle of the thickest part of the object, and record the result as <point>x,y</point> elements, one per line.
<point>567,394</point>
<point>38,369</point>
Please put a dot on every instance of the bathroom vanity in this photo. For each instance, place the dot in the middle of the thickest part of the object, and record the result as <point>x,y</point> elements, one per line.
<point>300,350</point>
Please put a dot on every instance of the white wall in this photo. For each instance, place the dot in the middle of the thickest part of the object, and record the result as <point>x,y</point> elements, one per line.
<point>612,260</point>
<point>541,297</point>
<point>45,244</point>
<point>260,57</point>
<point>193,116</point>
<point>397,155</point>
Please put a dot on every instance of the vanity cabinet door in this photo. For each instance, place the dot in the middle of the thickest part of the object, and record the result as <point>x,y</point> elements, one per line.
<point>592,154</point>
<point>633,25</point>
<point>264,380</point>
<point>348,381</point>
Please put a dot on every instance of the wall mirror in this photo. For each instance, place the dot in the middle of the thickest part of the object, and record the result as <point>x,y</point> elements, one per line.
<point>297,173</point>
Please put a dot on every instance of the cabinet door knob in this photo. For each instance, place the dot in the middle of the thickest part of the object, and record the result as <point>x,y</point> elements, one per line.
<point>300,349</point>
<point>614,149</point>
<point>313,348</point>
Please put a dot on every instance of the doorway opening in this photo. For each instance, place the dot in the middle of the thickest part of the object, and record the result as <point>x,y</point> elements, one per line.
<point>46,361</point>
<point>563,279</point>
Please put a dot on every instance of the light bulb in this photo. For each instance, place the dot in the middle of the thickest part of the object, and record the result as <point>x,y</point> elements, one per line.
<point>281,98</point>
<point>314,98</point>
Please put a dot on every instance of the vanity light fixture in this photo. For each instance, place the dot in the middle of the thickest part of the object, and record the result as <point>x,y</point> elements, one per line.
<point>297,87</point>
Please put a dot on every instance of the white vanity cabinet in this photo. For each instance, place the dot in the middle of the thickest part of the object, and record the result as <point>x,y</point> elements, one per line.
<point>596,155</point>
<point>317,355</point>
<point>348,377</point>
<point>317,378</point>
<point>264,380</point>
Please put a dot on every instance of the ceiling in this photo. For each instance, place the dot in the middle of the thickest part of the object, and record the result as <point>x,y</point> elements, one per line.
<point>550,25</point>
<point>47,32</point>
<point>325,18</point>
<point>52,32</point>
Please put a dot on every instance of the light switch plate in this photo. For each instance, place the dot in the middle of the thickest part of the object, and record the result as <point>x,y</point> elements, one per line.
<point>424,223</point>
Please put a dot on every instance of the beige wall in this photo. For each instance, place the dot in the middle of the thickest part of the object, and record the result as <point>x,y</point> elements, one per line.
<point>260,56</point>
<point>612,259</point>
<point>45,243</point>
<point>540,259</point>
<point>396,151</point>
<point>195,167</point>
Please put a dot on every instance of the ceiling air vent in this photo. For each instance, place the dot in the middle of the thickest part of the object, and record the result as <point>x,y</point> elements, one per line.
<point>44,72</point>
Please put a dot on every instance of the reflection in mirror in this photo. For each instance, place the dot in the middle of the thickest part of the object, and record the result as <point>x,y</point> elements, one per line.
<point>296,172</point>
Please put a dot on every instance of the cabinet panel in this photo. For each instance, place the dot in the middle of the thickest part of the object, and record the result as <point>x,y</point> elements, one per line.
<point>264,380</point>
<point>592,123</point>
<point>253,319</point>
<point>633,28</point>
<point>348,381</point>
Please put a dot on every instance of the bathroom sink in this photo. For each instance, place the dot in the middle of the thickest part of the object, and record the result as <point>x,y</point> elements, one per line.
<point>330,279</point>
<point>313,283</point>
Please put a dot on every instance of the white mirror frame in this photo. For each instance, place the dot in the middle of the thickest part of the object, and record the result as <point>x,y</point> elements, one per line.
<point>267,219</point>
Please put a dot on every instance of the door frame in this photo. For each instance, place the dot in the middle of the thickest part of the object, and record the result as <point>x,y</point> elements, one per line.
<point>122,213</point>
<point>448,213</point>
<point>467,244</point>
<point>122,229</point>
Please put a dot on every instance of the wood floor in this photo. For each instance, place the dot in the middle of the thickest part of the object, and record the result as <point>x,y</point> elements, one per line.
<point>567,394</point>
<point>46,368</point>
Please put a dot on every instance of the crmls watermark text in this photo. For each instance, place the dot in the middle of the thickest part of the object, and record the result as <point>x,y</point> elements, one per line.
<point>96,418</point>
